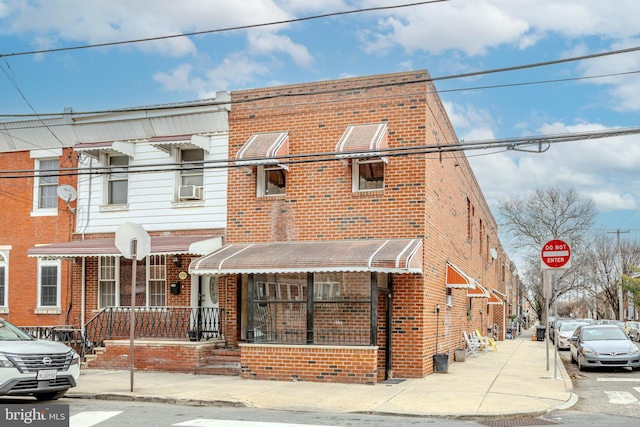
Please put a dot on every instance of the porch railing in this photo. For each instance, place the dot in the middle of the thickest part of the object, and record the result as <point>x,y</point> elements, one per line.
<point>64,333</point>
<point>196,324</point>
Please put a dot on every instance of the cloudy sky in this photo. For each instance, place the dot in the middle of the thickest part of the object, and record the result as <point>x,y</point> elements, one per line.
<point>231,48</point>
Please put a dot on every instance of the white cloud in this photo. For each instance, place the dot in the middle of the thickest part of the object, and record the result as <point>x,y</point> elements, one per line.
<point>265,43</point>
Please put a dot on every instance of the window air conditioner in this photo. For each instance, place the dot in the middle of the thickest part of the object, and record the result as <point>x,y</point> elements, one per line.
<point>190,192</point>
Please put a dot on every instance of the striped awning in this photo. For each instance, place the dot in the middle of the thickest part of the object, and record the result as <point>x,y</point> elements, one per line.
<point>363,141</point>
<point>400,256</point>
<point>494,298</point>
<point>478,292</point>
<point>160,245</point>
<point>166,143</point>
<point>94,149</point>
<point>264,148</point>
<point>456,278</point>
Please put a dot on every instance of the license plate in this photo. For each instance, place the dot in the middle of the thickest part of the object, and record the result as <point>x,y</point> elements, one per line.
<point>47,374</point>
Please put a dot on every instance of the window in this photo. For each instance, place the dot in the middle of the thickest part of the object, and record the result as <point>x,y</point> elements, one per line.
<point>3,280</point>
<point>118,180</point>
<point>49,284</point>
<point>157,279</point>
<point>271,180</point>
<point>114,281</point>
<point>368,174</point>
<point>47,184</point>
<point>191,166</point>
<point>107,284</point>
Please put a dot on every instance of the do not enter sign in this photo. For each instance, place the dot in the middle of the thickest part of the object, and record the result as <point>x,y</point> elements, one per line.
<point>556,254</point>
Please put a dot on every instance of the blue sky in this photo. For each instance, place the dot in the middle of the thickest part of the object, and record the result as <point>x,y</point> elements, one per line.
<point>446,38</point>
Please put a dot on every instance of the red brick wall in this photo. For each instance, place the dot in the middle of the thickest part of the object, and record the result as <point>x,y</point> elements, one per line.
<point>154,356</point>
<point>425,196</point>
<point>357,365</point>
<point>22,231</point>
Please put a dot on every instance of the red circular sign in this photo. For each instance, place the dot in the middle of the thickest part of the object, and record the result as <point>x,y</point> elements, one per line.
<point>556,253</point>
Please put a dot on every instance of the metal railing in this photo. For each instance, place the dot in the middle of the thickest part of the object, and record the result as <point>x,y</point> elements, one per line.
<point>196,324</point>
<point>66,334</point>
<point>315,337</point>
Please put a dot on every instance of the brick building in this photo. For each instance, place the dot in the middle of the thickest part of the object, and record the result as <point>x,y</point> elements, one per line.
<point>359,243</point>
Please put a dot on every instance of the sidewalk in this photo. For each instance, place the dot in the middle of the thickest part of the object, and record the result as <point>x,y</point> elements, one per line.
<point>511,381</point>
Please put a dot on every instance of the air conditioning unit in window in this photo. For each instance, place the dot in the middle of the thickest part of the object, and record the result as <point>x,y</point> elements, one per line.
<point>190,192</point>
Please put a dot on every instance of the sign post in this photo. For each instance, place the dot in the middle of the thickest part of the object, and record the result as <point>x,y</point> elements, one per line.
<point>555,255</point>
<point>134,243</point>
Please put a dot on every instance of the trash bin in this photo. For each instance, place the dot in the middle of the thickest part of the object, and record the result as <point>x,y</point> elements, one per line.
<point>441,362</point>
<point>540,331</point>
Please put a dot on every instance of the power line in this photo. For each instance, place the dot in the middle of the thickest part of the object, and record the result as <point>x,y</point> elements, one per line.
<point>222,30</point>
<point>537,144</point>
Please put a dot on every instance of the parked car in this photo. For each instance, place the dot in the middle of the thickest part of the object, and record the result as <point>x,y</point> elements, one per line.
<point>32,367</point>
<point>565,331</point>
<point>633,330</point>
<point>600,346</point>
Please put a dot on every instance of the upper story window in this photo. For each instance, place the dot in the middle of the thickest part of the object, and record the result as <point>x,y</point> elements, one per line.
<point>46,185</point>
<point>368,174</point>
<point>118,180</point>
<point>266,151</point>
<point>191,176</point>
<point>365,144</point>
<point>271,180</point>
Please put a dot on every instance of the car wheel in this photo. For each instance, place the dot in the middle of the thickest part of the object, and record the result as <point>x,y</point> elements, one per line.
<point>52,395</point>
<point>580,366</point>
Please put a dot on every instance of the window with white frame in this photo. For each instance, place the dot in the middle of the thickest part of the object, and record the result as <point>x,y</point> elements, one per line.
<point>3,280</point>
<point>49,284</point>
<point>157,280</point>
<point>107,283</point>
<point>191,177</point>
<point>368,174</point>
<point>271,180</point>
<point>110,276</point>
<point>118,180</point>
<point>46,184</point>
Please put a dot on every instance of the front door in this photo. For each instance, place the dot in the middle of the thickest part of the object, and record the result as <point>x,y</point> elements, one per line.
<point>205,319</point>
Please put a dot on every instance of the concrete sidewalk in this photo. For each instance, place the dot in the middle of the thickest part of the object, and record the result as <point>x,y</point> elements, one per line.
<point>511,381</point>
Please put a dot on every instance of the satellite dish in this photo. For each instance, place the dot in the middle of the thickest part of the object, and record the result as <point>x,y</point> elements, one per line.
<point>494,253</point>
<point>67,193</point>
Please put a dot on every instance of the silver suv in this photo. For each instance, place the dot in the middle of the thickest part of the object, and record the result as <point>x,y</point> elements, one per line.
<point>32,367</point>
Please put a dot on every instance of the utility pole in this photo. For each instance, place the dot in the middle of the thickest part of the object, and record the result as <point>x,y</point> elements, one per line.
<point>620,266</point>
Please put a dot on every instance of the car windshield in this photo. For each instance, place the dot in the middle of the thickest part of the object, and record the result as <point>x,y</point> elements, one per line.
<point>9,332</point>
<point>604,334</point>
<point>569,327</point>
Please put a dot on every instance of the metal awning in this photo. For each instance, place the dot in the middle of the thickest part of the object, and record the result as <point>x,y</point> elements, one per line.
<point>401,256</point>
<point>478,292</point>
<point>456,278</point>
<point>363,141</point>
<point>165,143</point>
<point>94,149</point>
<point>494,298</point>
<point>264,148</point>
<point>160,245</point>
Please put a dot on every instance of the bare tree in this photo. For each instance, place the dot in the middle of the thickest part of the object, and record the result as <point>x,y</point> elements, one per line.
<point>548,213</point>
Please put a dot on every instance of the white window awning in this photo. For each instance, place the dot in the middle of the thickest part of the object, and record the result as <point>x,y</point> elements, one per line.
<point>166,143</point>
<point>94,149</point>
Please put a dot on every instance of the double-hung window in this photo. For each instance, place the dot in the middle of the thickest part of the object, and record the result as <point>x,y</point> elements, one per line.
<point>267,152</point>
<point>47,184</point>
<point>49,284</point>
<point>157,280</point>
<point>118,180</point>
<point>191,177</point>
<point>4,275</point>
<point>366,146</point>
<point>107,283</point>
